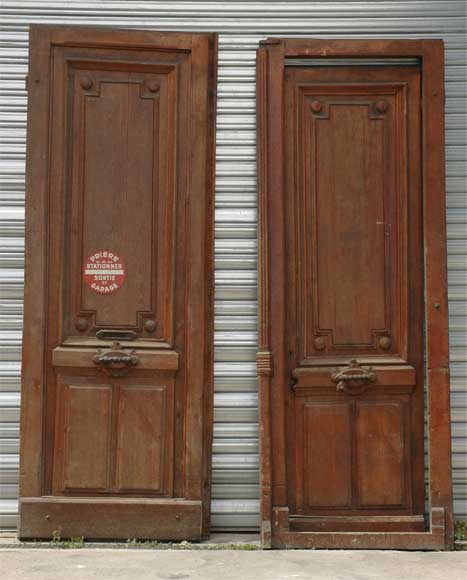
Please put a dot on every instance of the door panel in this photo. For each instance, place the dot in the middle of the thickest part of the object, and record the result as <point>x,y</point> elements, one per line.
<point>325,437</point>
<point>85,423</point>
<point>350,270</point>
<point>381,454</point>
<point>124,150</point>
<point>114,435</point>
<point>145,439</point>
<point>126,332</point>
<point>350,224</point>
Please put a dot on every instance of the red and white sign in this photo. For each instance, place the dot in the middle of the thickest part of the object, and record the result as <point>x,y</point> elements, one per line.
<point>104,272</point>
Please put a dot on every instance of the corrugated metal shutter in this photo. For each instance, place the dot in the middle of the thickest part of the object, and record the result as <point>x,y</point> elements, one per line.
<point>241,25</point>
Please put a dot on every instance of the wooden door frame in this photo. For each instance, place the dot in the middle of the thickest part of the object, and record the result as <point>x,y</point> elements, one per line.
<point>271,360</point>
<point>202,49</point>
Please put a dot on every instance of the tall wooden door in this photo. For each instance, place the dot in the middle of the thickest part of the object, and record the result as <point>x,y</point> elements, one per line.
<point>117,360</point>
<point>354,297</point>
<point>347,308</point>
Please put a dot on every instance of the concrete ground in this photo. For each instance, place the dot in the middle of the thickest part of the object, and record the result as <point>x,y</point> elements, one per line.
<point>22,563</point>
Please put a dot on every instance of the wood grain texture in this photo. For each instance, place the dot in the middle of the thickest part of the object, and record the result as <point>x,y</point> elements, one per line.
<point>324,431</point>
<point>144,445</point>
<point>85,421</point>
<point>346,174</point>
<point>95,518</point>
<point>381,442</point>
<point>264,359</point>
<point>123,149</point>
<point>352,135</point>
<point>124,121</point>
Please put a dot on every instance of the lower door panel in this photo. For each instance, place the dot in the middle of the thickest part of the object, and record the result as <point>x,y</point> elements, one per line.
<point>352,455</point>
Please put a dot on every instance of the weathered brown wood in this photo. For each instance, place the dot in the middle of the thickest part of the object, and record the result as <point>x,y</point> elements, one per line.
<point>264,357</point>
<point>371,539</point>
<point>117,353</point>
<point>405,538</point>
<point>80,357</point>
<point>95,518</point>
<point>350,159</point>
<point>352,136</point>
<point>436,299</point>
<point>357,523</point>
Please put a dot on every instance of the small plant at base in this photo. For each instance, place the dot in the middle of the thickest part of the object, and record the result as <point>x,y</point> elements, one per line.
<point>72,543</point>
<point>56,537</point>
<point>135,543</point>
<point>460,535</point>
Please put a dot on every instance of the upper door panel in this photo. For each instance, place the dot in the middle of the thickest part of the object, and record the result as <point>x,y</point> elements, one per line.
<point>348,165</point>
<point>117,139</point>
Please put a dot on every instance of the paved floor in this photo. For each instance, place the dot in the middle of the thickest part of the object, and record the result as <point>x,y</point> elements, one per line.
<point>138,564</point>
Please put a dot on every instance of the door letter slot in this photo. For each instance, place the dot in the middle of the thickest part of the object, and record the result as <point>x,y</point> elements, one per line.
<point>105,334</point>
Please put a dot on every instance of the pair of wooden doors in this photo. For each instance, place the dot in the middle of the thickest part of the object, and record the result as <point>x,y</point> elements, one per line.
<point>352,294</point>
<point>117,361</point>
<point>118,334</point>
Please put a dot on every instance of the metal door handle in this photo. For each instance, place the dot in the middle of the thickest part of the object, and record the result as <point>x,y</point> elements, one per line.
<point>107,359</point>
<point>116,361</point>
<point>353,376</point>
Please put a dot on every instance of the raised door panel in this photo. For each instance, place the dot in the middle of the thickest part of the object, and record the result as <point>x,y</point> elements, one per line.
<point>351,215</point>
<point>84,436</point>
<point>119,177</point>
<point>119,168</point>
<point>114,435</point>
<point>323,447</point>
<point>144,443</point>
<point>350,271</point>
<point>382,452</point>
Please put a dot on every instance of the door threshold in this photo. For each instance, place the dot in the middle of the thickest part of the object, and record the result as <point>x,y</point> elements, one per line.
<point>357,523</point>
<point>285,536</point>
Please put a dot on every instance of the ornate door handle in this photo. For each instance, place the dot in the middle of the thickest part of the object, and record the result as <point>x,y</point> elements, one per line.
<point>353,379</point>
<point>116,361</point>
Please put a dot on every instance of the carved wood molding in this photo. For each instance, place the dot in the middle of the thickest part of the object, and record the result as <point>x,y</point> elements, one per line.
<point>263,241</point>
<point>315,101</point>
<point>264,356</point>
<point>153,315</point>
<point>264,364</point>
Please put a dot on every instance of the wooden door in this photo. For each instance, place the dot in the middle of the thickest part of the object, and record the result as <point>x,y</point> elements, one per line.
<point>354,295</point>
<point>117,359</point>
<point>345,244</point>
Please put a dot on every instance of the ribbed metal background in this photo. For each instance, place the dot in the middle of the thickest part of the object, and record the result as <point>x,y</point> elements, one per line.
<point>241,25</point>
